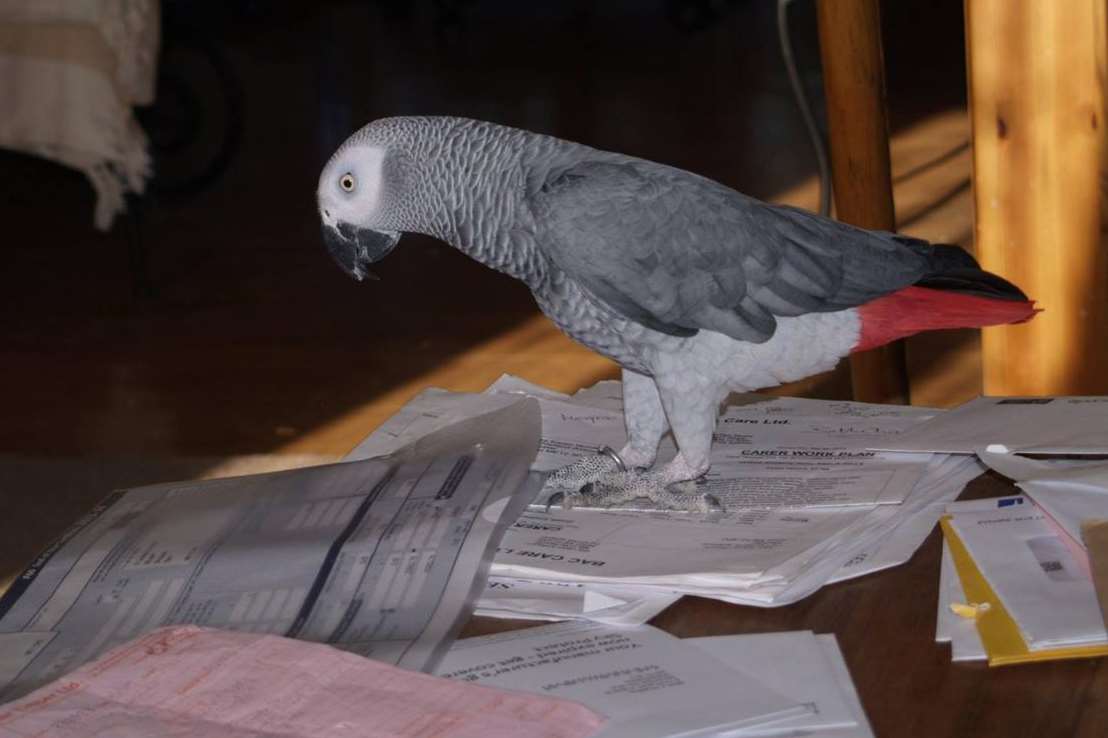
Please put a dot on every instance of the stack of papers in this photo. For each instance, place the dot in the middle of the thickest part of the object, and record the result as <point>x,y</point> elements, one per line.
<point>649,684</point>
<point>806,504</point>
<point>1017,579</point>
<point>1011,589</point>
<point>195,682</point>
<point>384,557</point>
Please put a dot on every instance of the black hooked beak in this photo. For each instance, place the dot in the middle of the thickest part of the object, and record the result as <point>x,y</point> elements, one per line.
<point>354,248</point>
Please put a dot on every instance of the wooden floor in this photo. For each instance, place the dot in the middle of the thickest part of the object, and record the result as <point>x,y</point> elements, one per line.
<point>253,342</point>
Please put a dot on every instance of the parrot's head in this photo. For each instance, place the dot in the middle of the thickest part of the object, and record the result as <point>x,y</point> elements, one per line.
<point>356,191</point>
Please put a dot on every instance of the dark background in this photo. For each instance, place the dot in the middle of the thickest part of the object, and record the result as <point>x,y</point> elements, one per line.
<point>211,314</point>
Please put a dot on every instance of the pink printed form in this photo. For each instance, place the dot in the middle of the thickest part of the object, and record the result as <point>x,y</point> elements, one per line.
<point>197,682</point>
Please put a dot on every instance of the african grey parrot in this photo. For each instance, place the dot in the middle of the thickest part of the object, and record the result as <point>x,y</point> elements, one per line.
<point>693,288</point>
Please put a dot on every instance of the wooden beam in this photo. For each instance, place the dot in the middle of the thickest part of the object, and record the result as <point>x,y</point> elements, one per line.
<point>854,85</point>
<point>1036,79</point>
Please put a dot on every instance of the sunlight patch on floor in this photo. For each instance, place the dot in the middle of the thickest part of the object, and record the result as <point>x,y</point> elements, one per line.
<point>535,350</point>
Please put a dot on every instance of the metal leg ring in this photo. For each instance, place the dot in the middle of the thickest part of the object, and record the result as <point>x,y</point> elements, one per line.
<point>611,454</point>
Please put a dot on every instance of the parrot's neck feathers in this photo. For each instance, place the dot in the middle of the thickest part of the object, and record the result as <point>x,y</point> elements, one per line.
<point>472,185</point>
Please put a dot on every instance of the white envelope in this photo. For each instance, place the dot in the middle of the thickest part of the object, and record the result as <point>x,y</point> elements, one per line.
<point>1069,491</point>
<point>1046,425</point>
<point>1033,574</point>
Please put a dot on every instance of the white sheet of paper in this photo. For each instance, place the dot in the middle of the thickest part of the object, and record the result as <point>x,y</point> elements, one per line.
<point>792,663</point>
<point>429,411</point>
<point>840,675</point>
<point>570,431</point>
<point>607,393</point>
<point>768,452</point>
<point>1046,425</point>
<point>777,452</point>
<point>838,665</point>
<point>663,549</point>
<point>510,597</point>
<point>1032,573</point>
<point>944,480</point>
<point>645,681</point>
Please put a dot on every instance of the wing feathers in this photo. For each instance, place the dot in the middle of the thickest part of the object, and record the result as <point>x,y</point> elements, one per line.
<point>678,253</point>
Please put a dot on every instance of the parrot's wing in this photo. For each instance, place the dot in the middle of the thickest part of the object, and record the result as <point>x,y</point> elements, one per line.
<point>678,253</point>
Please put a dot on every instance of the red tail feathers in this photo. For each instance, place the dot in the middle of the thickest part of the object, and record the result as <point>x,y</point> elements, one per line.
<point>914,309</point>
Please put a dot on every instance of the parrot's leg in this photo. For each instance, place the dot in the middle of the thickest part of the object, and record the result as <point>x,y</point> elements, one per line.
<point>646,424</point>
<point>645,418</point>
<point>691,410</point>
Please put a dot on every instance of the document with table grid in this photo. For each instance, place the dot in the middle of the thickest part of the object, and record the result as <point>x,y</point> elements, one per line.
<point>382,557</point>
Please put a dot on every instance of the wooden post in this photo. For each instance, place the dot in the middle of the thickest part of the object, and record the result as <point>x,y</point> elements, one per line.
<point>1036,79</point>
<point>854,85</point>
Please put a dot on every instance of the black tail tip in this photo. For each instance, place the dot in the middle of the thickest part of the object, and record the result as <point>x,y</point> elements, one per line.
<point>974,281</point>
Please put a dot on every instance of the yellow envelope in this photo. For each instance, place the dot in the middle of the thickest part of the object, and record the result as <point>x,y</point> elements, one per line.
<point>999,633</point>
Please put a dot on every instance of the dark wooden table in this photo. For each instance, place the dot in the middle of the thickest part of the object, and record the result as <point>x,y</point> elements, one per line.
<point>885,624</point>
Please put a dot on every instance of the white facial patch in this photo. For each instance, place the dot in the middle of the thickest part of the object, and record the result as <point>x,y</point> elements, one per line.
<point>350,186</point>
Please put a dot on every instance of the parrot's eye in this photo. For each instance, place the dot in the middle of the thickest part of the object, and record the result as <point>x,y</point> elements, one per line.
<point>347,182</point>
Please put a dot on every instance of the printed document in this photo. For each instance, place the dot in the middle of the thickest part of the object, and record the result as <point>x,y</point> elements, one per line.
<point>615,547</point>
<point>787,537</point>
<point>767,452</point>
<point>383,557</point>
<point>645,681</point>
<point>775,452</point>
<point>203,683</point>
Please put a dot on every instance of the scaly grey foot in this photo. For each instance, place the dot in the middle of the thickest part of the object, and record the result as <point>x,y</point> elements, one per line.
<point>585,470</point>
<point>617,489</point>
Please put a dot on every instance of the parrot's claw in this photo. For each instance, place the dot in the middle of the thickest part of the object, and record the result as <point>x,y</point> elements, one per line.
<point>616,490</point>
<point>604,481</point>
<point>584,470</point>
<point>559,499</point>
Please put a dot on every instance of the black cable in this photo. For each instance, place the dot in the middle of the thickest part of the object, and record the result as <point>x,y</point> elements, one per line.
<point>805,109</point>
